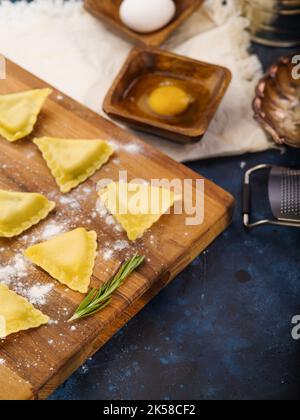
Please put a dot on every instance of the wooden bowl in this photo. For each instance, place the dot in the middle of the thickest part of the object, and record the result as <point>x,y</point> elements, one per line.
<point>277,102</point>
<point>143,71</point>
<point>108,12</point>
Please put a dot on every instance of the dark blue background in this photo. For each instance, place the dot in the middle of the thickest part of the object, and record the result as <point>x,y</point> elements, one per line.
<point>222,329</point>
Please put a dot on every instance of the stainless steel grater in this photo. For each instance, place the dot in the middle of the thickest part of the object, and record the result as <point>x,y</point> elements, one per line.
<point>284,196</point>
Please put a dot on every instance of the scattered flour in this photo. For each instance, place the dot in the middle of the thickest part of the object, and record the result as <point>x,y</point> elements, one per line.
<point>110,249</point>
<point>132,148</point>
<point>101,209</point>
<point>51,230</point>
<point>30,154</point>
<point>107,254</point>
<point>120,245</point>
<point>118,228</point>
<point>13,273</point>
<point>114,145</point>
<point>87,190</point>
<point>110,220</point>
<point>70,201</point>
<point>37,294</point>
<point>16,269</point>
<point>2,362</point>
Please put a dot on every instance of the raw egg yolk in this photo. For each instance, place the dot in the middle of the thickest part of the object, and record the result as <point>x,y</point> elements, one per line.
<point>169,101</point>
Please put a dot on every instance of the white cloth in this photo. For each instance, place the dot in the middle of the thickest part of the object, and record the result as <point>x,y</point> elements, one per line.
<point>66,46</point>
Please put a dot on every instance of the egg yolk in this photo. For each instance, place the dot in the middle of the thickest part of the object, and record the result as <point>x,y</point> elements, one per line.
<point>169,101</point>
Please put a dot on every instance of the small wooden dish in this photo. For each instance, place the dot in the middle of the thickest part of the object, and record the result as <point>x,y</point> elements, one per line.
<point>276,104</point>
<point>108,12</point>
<point>142,71</point>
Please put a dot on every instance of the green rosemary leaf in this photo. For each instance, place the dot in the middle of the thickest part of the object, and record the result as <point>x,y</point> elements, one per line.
<point>96,300</point>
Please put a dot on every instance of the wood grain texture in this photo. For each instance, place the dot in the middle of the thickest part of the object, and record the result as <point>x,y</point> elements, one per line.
<point>36,362</point>
<point>108,12</point>
<point>147,68</point>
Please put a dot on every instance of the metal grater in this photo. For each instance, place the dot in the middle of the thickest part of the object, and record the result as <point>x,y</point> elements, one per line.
<point>284,196</point>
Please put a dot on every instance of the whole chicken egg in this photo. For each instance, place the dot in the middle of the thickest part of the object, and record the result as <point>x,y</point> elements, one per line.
<point>148,15</point>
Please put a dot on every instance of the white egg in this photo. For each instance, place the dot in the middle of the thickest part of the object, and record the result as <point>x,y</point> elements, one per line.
<point>148,15</point>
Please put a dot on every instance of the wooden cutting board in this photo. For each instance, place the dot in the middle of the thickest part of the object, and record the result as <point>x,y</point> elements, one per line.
<point>34,363</point>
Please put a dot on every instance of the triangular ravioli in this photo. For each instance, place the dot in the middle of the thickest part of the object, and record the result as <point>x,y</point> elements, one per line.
<point>20,211</point>
<point>19,112</point>
<point>69,258</point>
<point>73,161</point>
<point>17,314</point>
<point>136,206</point>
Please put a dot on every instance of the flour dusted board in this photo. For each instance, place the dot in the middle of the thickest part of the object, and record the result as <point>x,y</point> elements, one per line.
<point>34,363</point>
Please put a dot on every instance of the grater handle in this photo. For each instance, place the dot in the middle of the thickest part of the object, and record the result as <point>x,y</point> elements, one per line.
<point>246,204</point>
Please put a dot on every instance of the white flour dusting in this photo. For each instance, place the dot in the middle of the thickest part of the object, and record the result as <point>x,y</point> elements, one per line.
<point>70,201</point>
<point>118,228</point>
<point>2,362</point>
<point>110,220</point>
<point>133,148</point>
<point>51,230</point>
<point>16,269</point>
<point>101,209</point>
<point>114,145</point>
<point>120,245</point>
<point>37,294</point>
<point>112,248</point>
<point>107,254</point>
<point>14,273</point>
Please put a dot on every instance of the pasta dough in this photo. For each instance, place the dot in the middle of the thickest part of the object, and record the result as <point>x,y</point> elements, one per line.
<point>73,161</point>
<point>19,112</point>
<point>136,206</point>
<point>17,314</point>
<point>69,258</point>
<point>20,211</point>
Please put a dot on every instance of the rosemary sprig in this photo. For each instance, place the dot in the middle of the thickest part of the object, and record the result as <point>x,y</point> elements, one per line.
<point>97,300</point>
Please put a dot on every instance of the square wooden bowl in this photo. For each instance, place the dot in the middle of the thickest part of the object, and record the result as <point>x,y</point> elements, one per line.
<point>207,81</point>
<point>108,12</point>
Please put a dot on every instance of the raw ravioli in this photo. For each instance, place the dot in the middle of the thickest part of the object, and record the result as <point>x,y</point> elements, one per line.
<point>20,211</point>
<point>17,314</point>
<point>19,112</point>
<point>136,206</point>
<point>73,161</point>
<point>69,258</point>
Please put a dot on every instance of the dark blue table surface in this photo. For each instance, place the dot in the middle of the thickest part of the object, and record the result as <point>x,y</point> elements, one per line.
<point>222,329</point>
